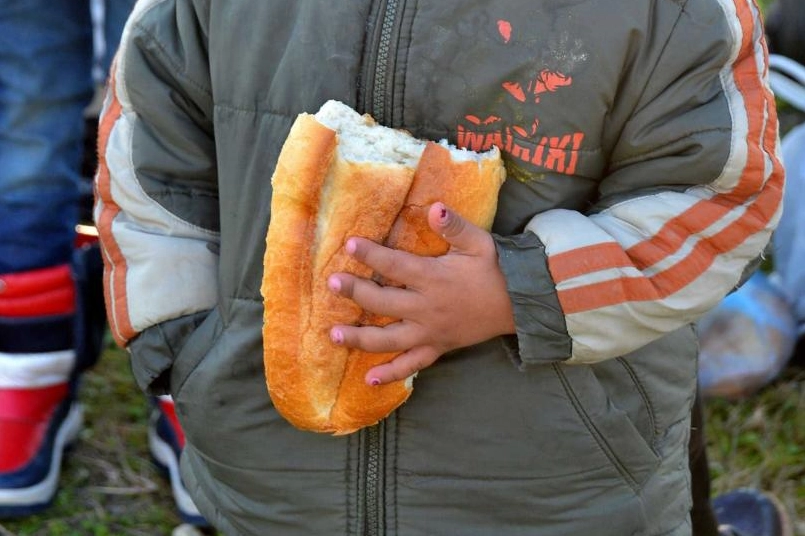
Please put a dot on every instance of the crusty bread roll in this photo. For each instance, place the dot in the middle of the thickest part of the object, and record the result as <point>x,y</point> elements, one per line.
<point>339,174</point>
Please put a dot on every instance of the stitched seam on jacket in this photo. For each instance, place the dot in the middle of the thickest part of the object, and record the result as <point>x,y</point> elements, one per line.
<point>169,59</point>
<point>347,474</point>
<point>594,432</point>
<point>637,157</point>
<point>134,117</point>
<point>202,356</point>
<point>650,76</point>
<point>230,107</point>
<point>137,183</point>
<point>644,395</point>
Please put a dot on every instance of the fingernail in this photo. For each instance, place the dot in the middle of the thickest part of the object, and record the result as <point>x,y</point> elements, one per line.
<point>374,382</point>
<point>337,336</point>
<point>350,247</point>
<point>443,215</point>
<point>334,284</point>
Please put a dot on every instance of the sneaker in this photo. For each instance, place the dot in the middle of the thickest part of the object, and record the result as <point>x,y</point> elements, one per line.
<point>36,427</point>
<point>39,417</point>
<point>748,512</point>
<point>166,441</point>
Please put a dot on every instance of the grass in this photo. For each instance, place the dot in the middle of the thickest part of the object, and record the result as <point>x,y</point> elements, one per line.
<point>109,486</point>
<point>760,442</point>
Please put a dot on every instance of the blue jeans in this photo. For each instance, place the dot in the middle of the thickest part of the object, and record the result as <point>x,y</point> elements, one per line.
<point>46,82</point>
<point>789,238</point>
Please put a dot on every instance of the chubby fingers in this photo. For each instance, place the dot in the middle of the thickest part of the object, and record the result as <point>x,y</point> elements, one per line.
<point>392,338</point>
<point>462,235</point>
<point>404,365</point>
<point>370,296</point>
<point>396,337</point>
<point>392,264</point>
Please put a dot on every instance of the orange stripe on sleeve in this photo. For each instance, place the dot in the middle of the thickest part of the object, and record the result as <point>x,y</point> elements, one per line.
<point>676,231</point>
<point>114,262</point>
<point>746,78</point>
<point>761,143</point>
<point>705,213</point>
<point>670,281</point>
<point>587,259</point>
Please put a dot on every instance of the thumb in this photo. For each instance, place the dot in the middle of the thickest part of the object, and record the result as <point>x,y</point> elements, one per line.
<point>457,231</point>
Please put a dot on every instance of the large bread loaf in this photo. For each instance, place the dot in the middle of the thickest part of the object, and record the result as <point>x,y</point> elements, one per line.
<point>340,174</point>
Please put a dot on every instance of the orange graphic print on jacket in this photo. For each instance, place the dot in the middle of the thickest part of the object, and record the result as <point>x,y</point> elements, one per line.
<point>520,137</point>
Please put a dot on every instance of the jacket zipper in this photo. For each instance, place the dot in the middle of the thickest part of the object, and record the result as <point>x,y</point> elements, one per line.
<point>374,462</point>
<point>373,492</point>
<point>382,61</point>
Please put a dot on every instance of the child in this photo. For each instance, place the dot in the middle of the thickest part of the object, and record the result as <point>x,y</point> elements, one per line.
<point>640,141</point>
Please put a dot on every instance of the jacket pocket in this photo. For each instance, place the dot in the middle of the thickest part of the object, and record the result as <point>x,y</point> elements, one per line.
<point>192,352</point>
<point>154,351</point>
<point>610,427</point>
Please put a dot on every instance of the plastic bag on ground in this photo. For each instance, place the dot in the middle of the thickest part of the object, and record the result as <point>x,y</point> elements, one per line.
<point>746,340</point>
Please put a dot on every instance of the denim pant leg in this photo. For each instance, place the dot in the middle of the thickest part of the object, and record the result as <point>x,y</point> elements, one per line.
<point>45,84</point>
<point>702,516</point>
<point>789,238</point>
<point>116,12</point>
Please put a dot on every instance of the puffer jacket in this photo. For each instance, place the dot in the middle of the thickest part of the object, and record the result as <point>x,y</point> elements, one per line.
<point>640,141</point>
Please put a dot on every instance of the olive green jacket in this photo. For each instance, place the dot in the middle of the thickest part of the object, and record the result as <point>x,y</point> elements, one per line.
<point>640,142</point>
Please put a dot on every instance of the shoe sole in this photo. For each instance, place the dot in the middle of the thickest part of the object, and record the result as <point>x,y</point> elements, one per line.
<point>784,520</point>
<point>786,525</point>
<point>25,501</point>
<point>165,458</point>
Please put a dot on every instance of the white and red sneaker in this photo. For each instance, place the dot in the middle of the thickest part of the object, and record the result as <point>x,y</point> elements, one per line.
<point>39,416</point>
<point>166,442</point>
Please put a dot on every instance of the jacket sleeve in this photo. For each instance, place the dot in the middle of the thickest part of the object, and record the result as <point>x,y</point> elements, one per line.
<point>156,191</point>
<point>691,197</point>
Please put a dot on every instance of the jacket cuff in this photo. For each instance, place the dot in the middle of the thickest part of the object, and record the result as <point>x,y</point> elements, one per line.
<point>539,322</point>
<point>154,350</point>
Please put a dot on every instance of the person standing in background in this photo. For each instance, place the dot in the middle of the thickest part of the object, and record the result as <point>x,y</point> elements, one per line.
<point>786,34</point>
<point>52,58</point>
<point>785,29</point>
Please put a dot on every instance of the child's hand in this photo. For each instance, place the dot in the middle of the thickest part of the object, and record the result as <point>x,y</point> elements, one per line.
<point>447,302</point>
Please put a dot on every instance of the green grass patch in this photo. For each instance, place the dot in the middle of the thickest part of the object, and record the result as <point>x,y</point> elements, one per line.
<point>760,442</point>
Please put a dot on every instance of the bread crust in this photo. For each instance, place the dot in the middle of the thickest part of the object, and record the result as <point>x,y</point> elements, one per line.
<point>320,199</point>
<point>470,189</point>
